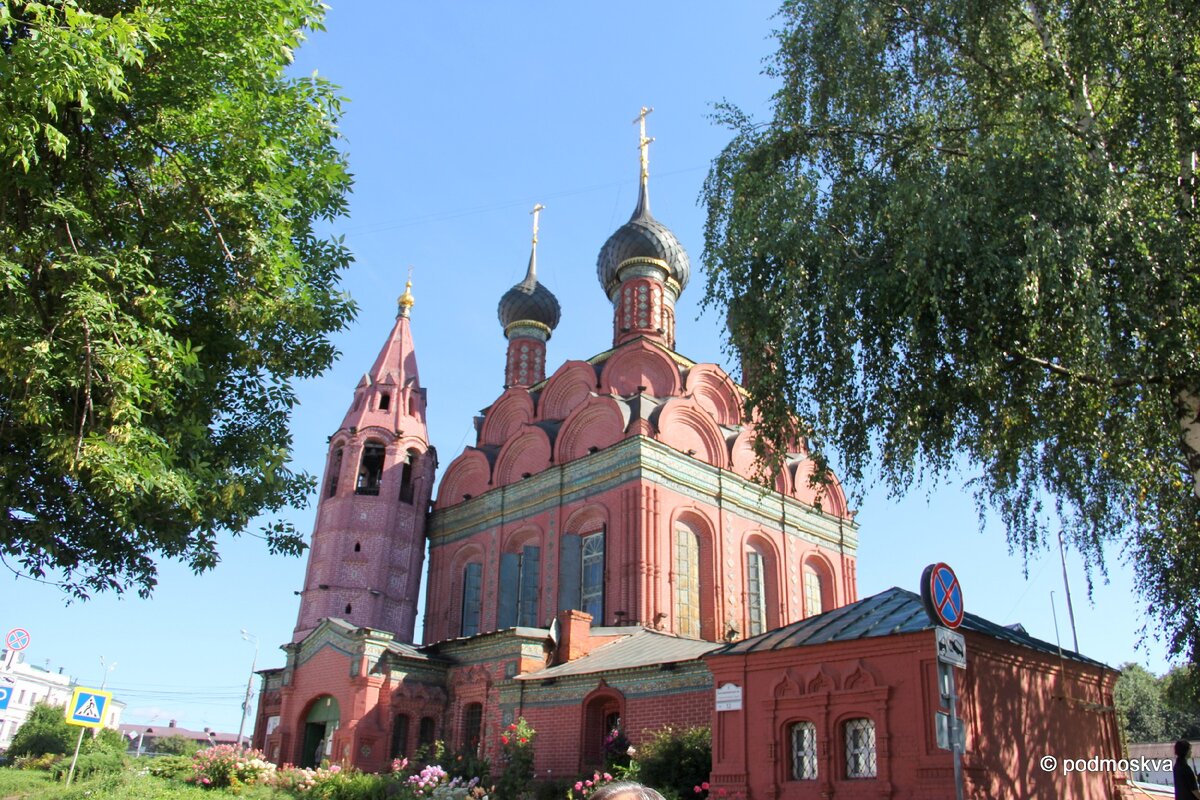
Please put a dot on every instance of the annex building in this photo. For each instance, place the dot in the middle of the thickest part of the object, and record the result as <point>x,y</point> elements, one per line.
<point>602,559</point>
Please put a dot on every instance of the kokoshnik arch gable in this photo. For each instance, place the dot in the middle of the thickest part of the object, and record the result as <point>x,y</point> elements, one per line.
<point>604,532</point>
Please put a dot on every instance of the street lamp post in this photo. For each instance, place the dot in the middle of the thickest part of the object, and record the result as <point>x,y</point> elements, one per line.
<point>249,637</point>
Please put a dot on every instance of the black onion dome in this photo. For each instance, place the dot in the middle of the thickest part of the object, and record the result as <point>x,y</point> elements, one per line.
<point>642,237</point>
<point>529,301</point>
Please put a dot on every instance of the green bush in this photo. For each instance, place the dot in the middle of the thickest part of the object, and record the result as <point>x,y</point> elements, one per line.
<point>552,789</point>
<point>516,758</point>
<point>176,745</point>
<point>176,768</point>
<point>353,786</point>
<point>87,765</point>
<point>44,731</point>
<point>676,761</point>
<point>43,762</point>
<point>228,766</point>
<point>106,740</point>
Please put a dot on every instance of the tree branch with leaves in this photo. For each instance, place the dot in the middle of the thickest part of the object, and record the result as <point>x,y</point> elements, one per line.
<point>966,239</point>
<point>164,278</point>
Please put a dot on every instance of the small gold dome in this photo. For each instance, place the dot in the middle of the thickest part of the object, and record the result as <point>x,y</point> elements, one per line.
<point>406,300</point>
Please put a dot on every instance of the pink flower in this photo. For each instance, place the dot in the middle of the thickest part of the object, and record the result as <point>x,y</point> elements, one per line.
<point>704,786</point>
<point>579,786</point>
<point>696,789</point>
<point>607,777</point>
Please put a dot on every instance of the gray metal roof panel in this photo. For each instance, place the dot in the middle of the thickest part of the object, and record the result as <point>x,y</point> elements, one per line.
<point>643,648</point>
<point>894,611</point>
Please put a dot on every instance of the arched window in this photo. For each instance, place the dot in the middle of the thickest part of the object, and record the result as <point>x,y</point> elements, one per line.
<point>520,578</point>
<point>804,751</point>
<point>591,583</point>
<point>756,592</point>
<point>472,598</point>
<point>860,747</point>
<point>687,582</point>
<point>426,733</point>
<point>527,595</point>
<point>817,591</point>
<point>400,736</point>
<point>472,725</point>
<point>406,476</point>
<point>335,468</point>
<point>370,469</point>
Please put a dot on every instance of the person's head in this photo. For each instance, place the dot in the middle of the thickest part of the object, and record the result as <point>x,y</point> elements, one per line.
<point>1183,748</point>
<point>625,790</point>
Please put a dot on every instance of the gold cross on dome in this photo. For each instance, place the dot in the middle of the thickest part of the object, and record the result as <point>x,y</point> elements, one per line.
<point>643,142</point>
<point>537,210</point>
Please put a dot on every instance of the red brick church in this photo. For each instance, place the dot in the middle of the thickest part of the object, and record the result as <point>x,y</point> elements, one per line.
<point>604,532</point>
<point>603,558</point>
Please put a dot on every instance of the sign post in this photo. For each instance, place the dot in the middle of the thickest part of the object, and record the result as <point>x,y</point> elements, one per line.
<point>15,641</point>
<point>86,710</point>
<point>943,597</point>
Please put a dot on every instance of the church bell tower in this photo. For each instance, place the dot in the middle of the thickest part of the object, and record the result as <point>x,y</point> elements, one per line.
<point>368,543</point>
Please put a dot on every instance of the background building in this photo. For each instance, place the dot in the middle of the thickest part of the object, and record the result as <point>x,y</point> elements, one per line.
<point>28,684</point>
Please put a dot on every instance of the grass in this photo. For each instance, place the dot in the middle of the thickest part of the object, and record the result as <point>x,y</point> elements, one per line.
<point>16,784</point>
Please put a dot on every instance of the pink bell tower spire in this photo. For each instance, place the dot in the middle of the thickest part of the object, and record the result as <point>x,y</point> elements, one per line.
<point>368,543</point>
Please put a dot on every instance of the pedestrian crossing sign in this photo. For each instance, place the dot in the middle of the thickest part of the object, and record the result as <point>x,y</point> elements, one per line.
<point>87,707</point>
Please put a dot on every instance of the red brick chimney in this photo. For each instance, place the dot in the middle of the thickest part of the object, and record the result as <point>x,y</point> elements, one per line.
<point>574,635</point>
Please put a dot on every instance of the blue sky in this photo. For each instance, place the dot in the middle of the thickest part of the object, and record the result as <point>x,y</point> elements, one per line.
<point>462,116</point>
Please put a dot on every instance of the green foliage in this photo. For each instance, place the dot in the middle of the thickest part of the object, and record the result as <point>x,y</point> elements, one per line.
<point>467,765</point>
<point>127,785</point>
<point>1140,708</point>
<point>100,762</point>
<point>105,740</point>
<point>162,280</point>
<point>1181,695</point>
<point>553,789</point>
<point>616,751</point>
<point>516,754</point>
<point>349,785</point>
<point>1157,709</point>
<point>22,783</point>
<point>45,731</point>
<point>176,745</point>
<point>42,763</point>
<point>967,236</point>
<point>676,761</point>
<point>177,768</point>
